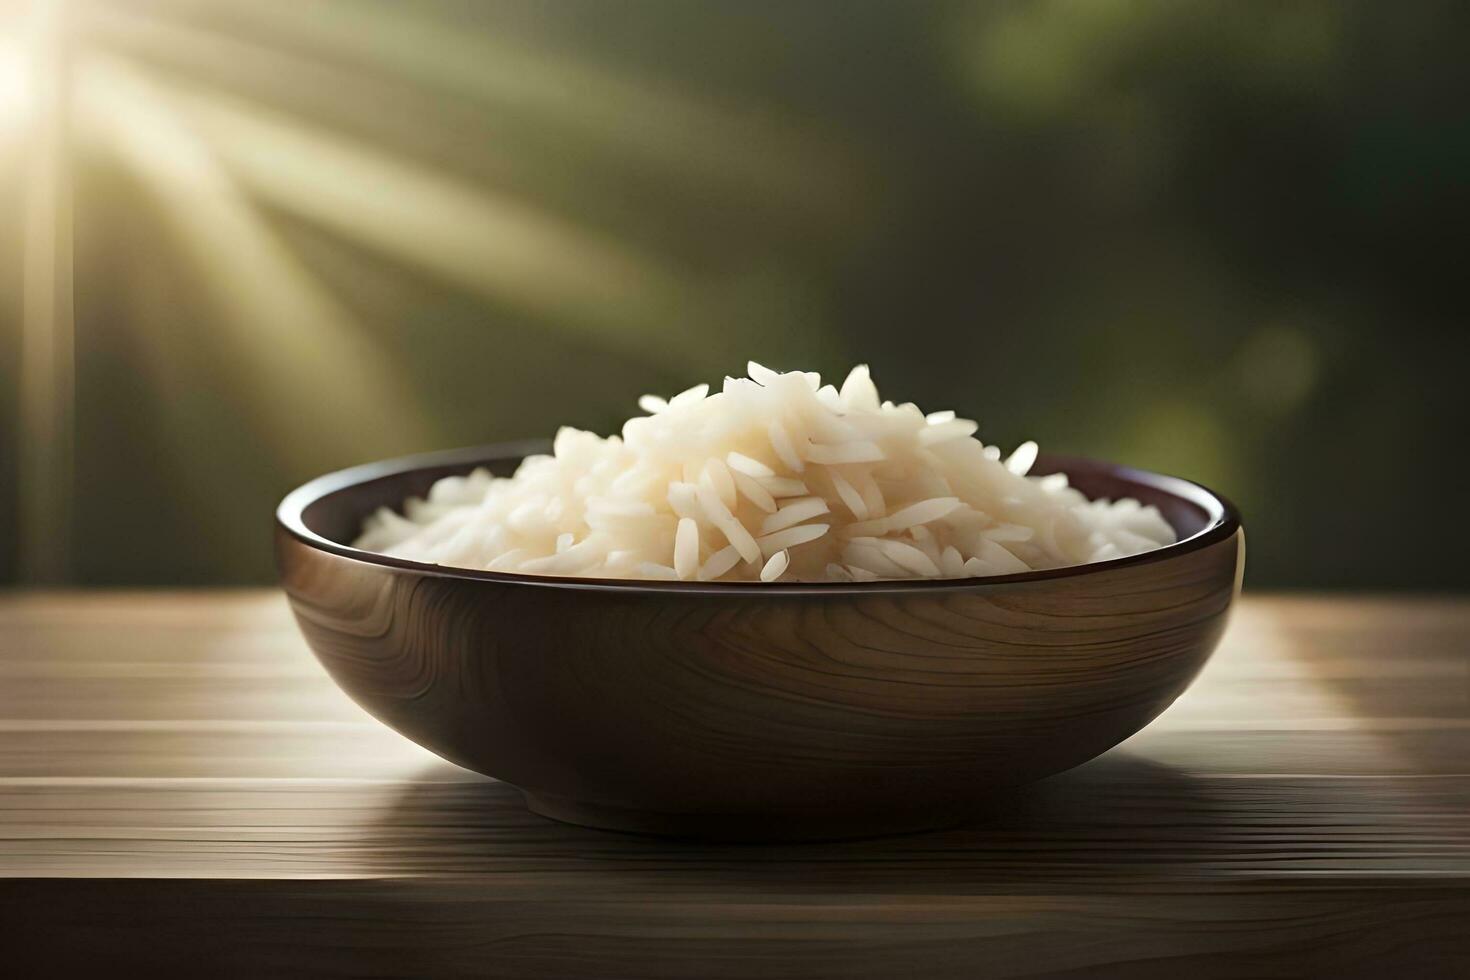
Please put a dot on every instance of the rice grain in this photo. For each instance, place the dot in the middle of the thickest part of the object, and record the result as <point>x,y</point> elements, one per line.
<point>737,476</point>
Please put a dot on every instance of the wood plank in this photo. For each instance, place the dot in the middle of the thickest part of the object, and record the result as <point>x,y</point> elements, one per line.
<point>393,929</point>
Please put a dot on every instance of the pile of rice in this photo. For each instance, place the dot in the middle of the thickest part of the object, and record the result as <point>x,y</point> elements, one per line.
<point>777,477</point>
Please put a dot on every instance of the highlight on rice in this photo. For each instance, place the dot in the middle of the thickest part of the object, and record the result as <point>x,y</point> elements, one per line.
<point>776,478</point>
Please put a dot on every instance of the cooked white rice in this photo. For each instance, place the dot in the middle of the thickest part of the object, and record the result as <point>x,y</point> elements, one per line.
<point>776,478</point>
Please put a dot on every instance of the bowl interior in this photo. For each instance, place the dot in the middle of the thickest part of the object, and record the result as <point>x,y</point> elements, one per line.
<point>334,506</point>
<point>337,514</point>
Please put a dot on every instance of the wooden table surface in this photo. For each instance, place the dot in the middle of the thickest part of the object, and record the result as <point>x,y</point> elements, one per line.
<point>182,788</point>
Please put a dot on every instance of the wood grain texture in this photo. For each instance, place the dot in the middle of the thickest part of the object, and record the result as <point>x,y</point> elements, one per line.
<point>761,712</point>
<point>184,790</point>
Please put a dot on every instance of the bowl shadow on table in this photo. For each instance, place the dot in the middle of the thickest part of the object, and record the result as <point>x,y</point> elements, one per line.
<point>1119,816</point>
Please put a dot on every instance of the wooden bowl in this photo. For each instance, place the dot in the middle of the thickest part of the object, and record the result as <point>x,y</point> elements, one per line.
<point>752,711</point>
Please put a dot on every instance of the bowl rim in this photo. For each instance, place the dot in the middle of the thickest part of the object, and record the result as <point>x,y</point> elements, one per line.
<point>1222,523</point>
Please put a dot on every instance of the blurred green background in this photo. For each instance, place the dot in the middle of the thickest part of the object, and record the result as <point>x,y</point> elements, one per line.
<point>1218,239</point>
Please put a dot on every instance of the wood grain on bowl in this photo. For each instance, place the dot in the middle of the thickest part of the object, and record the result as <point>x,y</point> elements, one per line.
<point>756,711</point>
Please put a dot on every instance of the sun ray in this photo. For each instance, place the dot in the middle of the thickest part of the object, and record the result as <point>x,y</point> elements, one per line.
<point>39,100</point>
<point>663,126</point>
<point>487,243</point>
<point>318,380</point>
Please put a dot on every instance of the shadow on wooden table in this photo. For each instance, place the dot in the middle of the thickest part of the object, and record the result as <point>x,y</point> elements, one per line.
<point>1120,815</point>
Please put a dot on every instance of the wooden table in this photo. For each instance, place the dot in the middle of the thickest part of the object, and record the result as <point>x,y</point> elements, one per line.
<point>183,789</point>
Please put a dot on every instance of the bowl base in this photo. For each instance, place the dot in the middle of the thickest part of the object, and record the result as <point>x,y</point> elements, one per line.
<point>746,828</point>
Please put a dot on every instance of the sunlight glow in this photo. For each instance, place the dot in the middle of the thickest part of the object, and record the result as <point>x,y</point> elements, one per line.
<point>33,75</point>
<point>15,86</point>
<point>478,240</point>
<point>520,236</point>
<point>643,119</point>
<point>229,154</point>
<point>317,375</point>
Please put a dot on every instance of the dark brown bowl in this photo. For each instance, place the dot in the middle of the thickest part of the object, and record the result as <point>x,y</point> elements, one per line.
<point>751,711</point>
